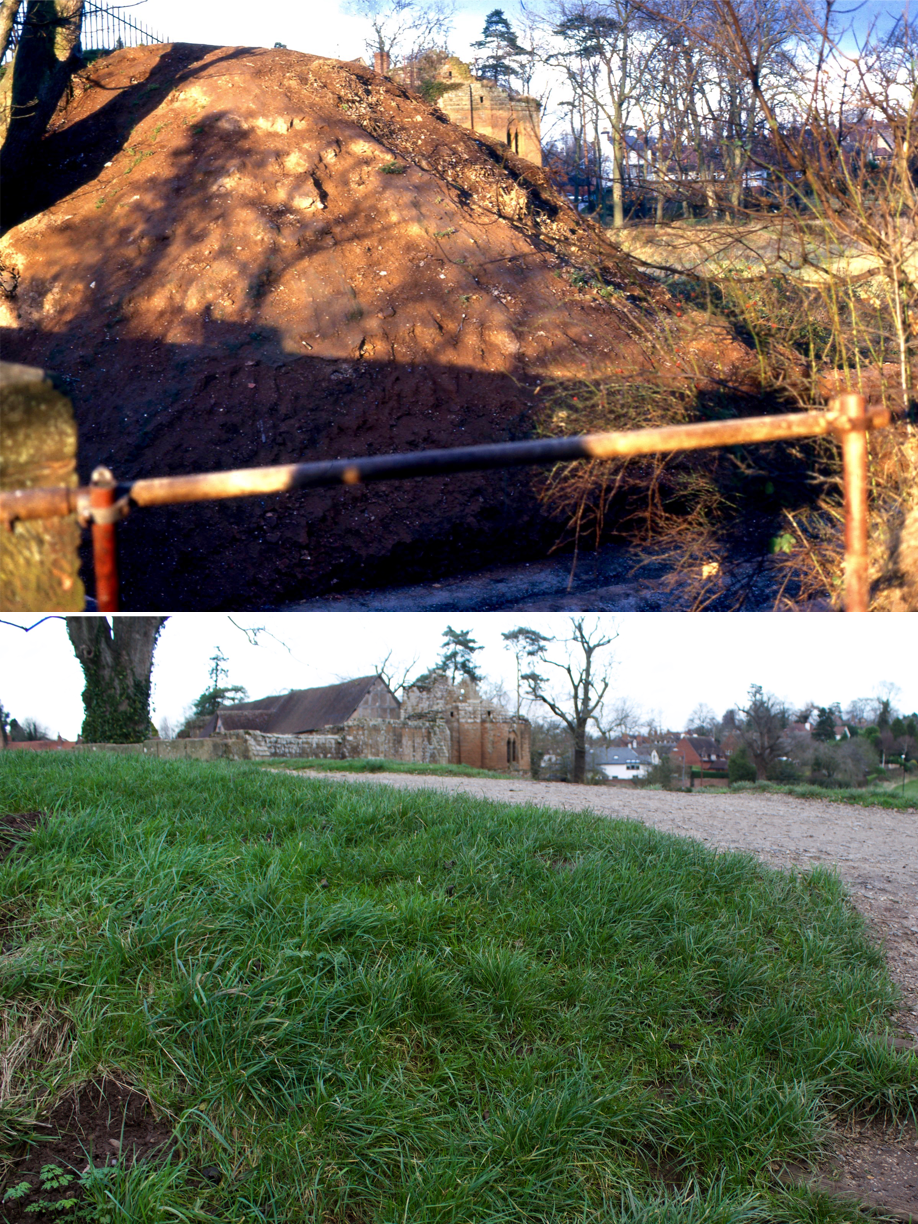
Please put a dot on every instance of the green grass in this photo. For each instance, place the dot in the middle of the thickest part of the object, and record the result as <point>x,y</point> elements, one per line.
<point>377,1006</point>
<point>381,766</point>
<point>885,796</point>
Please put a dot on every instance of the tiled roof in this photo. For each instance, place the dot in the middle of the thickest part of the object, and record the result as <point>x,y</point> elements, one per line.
<point>296,712</point>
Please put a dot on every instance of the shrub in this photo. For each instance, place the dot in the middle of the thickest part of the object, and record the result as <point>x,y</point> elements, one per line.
<point>740,768</point>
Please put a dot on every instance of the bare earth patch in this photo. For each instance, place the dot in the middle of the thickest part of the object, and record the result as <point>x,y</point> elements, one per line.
<point>874,850</point>
<point>100,1123</point>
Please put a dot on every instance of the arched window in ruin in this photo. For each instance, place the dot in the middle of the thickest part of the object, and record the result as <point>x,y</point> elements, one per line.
<point>511,749</point>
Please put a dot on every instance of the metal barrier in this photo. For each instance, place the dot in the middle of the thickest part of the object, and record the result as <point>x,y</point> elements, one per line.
<point>102,29</point>
<point>106,500</point>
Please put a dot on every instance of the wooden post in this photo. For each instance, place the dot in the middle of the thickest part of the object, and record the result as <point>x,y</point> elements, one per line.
<point>39,562</point>
<point>854,460</point>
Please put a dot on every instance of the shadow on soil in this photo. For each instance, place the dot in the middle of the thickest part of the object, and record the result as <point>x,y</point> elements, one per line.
<point>237,399</point>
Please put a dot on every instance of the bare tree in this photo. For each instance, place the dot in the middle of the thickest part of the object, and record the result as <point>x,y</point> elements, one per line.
<point>588,684</point>
<point>34,82</point>
<point>702,720</point>
<point>117,662</point>
<point>8,14</point>
<point>762,730</point>
<point>402,29</point>
<point>394,674</point>
<point>609,50</point>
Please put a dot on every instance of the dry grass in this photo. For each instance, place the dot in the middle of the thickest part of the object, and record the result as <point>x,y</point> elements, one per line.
<point>36,1046</point>
<point>818,322</point>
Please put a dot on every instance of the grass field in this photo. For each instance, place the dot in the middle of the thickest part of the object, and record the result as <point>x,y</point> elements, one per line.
<point>889,795</point>
<point>362,1006</point>
<point>381,766</point>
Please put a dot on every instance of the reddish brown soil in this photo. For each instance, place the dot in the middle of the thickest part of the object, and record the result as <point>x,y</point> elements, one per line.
<point>215,260</point>
<point>105,1123</point>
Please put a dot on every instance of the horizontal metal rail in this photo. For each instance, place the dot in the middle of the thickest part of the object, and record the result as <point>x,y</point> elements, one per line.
<point>847,416</point>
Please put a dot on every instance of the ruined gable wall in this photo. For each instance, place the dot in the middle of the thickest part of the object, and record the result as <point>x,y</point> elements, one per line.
<point>482,106</point>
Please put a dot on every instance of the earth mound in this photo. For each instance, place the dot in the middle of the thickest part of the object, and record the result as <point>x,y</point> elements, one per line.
<point>236,256</point>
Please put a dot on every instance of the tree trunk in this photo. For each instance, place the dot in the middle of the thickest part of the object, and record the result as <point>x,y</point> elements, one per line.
<point>117,661</point>
<point>579,770</point>
<point>35,81</point>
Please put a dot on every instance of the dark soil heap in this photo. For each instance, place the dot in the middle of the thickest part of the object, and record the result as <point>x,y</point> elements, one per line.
<point>237,257</point>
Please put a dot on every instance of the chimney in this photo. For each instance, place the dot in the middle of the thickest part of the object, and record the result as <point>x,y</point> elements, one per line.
<point>381,62</point>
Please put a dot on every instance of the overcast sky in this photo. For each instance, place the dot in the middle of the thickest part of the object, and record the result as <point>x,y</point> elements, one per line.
<point>666,663</point>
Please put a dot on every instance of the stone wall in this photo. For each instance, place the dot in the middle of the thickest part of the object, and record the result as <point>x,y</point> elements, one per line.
<point>39,565</point>
<point>383,739</point>
<point>482,106</point>
<point>428,740</point>
<point>219,748</point>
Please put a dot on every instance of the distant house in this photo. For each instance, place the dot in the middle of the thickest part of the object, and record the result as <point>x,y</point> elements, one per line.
<point>699,752</point>
<point>304,710</point>
<point>654,747</point>
<point>622,764</point>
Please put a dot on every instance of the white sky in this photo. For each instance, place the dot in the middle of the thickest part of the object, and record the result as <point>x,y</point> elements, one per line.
<point>666,662</point>
<point>320,29</point>
<point>324,29</point>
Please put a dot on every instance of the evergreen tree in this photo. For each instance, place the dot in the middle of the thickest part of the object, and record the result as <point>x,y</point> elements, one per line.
<point>456,656</point>
<point>825,726</point>
<point>500,46</point>
<point>218,695</point>
<point>740,768</point>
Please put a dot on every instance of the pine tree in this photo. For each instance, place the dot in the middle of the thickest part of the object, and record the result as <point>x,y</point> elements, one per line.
<point>218,695</point>
<point>499,43</point>
<point>456,656</point>
<point>825,726</point>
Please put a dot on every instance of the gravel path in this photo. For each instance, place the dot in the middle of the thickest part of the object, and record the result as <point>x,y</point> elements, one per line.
<point>875,850</point>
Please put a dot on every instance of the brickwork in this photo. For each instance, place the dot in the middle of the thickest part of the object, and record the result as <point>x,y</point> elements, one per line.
<point>482,106</point>
<point>481,733</point>
<point>440,724</point>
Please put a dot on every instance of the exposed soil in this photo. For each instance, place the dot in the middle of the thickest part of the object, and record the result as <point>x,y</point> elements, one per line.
<point>104,1123</point>
<point>874,850</point>
<point>235,256</point>
<point>613,578</point>
<point>13,829</point>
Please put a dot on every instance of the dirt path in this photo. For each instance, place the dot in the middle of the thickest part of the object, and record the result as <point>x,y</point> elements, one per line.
<point>874,850</point>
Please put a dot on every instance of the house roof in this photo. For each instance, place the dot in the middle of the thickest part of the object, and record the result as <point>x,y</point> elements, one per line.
<point>704,745</point>
<point>619,756</point>
<point>296,712</point>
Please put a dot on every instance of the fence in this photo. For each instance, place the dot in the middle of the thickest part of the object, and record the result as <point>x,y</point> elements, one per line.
<point>105,501</point>
<point>103,29</point>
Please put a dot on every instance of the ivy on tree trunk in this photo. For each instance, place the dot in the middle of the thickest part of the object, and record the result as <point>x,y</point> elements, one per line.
<point>117,661</point>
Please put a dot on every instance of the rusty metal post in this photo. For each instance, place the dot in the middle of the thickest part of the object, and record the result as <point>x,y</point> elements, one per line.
<point>854,460</point>
<point>105,516</point>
